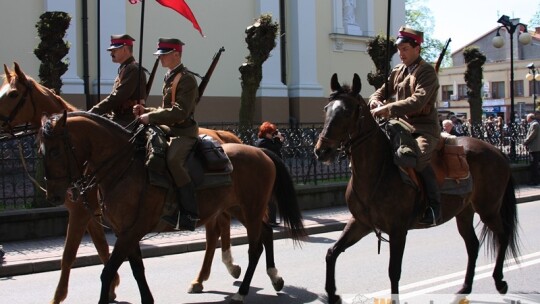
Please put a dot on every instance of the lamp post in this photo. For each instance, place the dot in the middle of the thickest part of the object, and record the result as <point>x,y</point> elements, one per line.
<point>498,42</point>
<point>533,76</point>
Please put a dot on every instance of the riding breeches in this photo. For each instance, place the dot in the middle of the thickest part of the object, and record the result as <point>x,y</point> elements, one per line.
<point>179,148</point>
<point>426,144</point>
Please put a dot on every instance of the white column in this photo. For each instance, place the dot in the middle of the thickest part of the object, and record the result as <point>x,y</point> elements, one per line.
<point>113,21</point>
<point>338,17</point>
<point>271,85</point>
<point>73,84</point>
<point>302,40</point>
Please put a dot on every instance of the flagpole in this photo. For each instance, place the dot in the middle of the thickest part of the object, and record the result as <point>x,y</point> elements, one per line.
<point>141,35</point>
<point>387,68</point>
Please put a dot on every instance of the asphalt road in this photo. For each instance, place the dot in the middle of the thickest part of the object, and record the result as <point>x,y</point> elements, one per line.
<point>433,269</point>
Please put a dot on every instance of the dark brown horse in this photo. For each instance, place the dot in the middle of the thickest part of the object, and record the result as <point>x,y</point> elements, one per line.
<point>349,124</point>
<point>82,143</point>
<point>22,102</point>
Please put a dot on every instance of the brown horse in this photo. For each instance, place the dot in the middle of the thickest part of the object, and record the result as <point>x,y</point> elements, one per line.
<point>77,143</point>
<point>22,102</point>
<point>349,124</point>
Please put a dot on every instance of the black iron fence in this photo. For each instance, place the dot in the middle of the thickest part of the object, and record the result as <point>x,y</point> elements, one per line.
<point>17,191</point>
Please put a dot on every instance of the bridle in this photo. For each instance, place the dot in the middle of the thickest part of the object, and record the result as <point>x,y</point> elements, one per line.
<point>7,120</point>
<point>81,179</point>
<point>73,174</point>
<point>354,137</point>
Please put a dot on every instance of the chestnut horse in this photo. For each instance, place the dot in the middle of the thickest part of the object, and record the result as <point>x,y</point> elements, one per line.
<point>350,125</point>
<point>22,102</point>
<point>82,146</point>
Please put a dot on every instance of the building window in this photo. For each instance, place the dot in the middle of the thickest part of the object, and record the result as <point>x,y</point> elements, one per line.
<point>462,91</point>
<point>447,90</point>
<point>518,88</point>
<point>537,87</point>
<point>497,89</point>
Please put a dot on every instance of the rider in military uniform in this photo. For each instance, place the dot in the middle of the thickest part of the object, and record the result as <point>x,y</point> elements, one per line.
<point>128,89</point>
<point>415,84</point>
<point>175,117</point>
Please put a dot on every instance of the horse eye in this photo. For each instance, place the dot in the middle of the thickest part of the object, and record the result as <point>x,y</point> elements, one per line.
<point>13,94</point>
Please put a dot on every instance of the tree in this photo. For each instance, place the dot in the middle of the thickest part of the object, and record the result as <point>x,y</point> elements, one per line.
<point>474,59</point>
<point>261,40</point>
<point>52,48</point>
<point>377,51</point>
<point>535,19</point>
<point>419,17</point>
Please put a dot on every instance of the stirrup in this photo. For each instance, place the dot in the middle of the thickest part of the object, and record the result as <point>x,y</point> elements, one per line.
<point>424,220</point>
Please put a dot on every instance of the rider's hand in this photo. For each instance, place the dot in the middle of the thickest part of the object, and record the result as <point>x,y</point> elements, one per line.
<point>138,110</point>
<point>381,111</point>
<point>144,119</point>
<point>375,104</point>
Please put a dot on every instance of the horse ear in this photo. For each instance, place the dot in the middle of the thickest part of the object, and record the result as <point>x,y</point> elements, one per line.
<point>44,118</point>
<point>19,72</point>
<point>356,85</point>
<point>334,83</point>
<point>8,73</point>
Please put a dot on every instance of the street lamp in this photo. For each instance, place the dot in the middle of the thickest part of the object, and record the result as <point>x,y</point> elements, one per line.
<point>533,76</point>
<point>498,42</point>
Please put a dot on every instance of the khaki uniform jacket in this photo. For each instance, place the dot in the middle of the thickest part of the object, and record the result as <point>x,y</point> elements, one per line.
<point>177,119</point>
<point>124,94</point>
<point>415,97</point>
<point>532,141</point>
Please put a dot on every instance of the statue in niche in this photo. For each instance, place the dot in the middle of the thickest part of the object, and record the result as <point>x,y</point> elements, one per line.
<point>349,18</point>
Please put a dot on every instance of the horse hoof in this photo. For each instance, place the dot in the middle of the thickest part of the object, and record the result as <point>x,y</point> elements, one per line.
<point>465,290</point>
<point>502,287</point>
<point>278,284</point>
<point>335,299</point>
<point>237,299</point>
<point>112,296</point>
<point>235,271</point>
<point>196,288</point>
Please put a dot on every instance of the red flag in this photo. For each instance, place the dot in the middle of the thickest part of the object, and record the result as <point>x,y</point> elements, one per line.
<point>183,9</point>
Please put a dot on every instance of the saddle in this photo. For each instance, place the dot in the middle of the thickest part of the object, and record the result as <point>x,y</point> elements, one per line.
<point>451,168</point>
<point>207,163</point>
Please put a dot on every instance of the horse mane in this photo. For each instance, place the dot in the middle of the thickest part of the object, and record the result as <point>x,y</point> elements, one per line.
<point>50,93</point>
<point>43,90</point>
<point>48,126</point>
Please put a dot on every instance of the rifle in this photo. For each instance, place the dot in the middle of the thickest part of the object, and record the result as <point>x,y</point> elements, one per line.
<point>151,78</point>
<point>206,78</point>
<point>441,56</point>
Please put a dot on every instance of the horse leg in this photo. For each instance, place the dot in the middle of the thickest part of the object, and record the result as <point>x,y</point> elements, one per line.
<point>254,252</point>
<point>137,267</point>
<point>465,227</point>
<point>397,247</point>
<point>122,248</point>
<point>224,223</point>
<point>271,270</point>
<point>352,233</point>
<point>498,235</point>
<point>77,222</point>
<point>212,236</point>
<point>96,232</point>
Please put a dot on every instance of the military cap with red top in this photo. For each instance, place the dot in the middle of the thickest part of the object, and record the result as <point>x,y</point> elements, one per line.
<point>118,41</point>
<point>409,35</point>
<point>167,45</point>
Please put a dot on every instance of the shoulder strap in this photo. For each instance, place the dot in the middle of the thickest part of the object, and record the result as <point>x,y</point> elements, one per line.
<point>173,88</point>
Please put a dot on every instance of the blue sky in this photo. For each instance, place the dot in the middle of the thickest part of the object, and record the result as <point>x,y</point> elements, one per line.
<point>452,20</point>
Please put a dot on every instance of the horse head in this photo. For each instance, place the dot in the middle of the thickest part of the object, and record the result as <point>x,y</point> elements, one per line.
<point>13,95</point>
<point>342,121</point>
<point>59,157</point>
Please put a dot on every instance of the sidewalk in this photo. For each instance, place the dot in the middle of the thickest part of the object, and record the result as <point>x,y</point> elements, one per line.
<point>42,255</point>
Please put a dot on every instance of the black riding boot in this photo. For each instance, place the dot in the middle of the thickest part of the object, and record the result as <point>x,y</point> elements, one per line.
<point>187,217</point>
<point>433,213</point>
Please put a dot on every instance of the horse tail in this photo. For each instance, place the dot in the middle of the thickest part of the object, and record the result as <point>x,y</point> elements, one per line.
<point>508,213</point>
<point>285,195</point>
